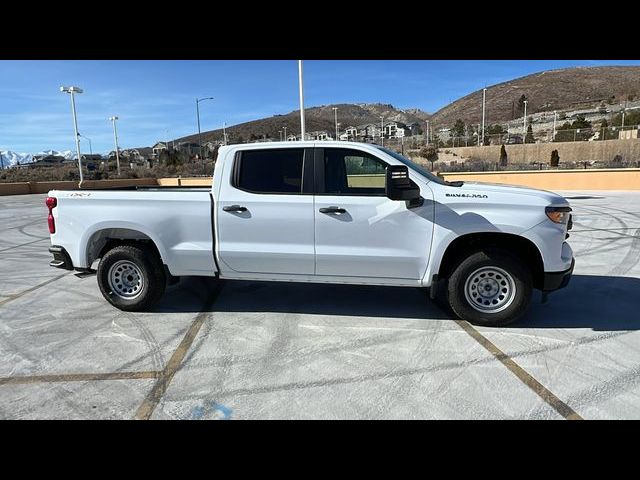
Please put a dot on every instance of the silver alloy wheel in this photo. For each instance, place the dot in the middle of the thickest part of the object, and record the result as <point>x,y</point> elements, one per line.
<point>490,289</point>
<point>125,279</point>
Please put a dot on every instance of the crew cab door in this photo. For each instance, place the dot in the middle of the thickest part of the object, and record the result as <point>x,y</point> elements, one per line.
<point>360,232</point>
<point>265,213</point>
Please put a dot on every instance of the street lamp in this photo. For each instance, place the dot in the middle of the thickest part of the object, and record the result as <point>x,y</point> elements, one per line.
<point>335,114</point>
<point>87,138</point>
<point>224,132</point>
<point>285,133</point>
<point>198,100</point>
<point>484,97</point>
<point>71,91</point>
<point>115,140</point>
<point>555,117</point>
<point>301,88</point>
<point>382,131</point>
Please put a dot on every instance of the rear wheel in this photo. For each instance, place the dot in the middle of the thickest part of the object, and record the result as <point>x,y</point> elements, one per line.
<point>490,288</point>
<point>131,277</point>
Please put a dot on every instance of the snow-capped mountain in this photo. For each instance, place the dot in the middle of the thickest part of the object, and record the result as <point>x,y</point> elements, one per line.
<point>10,158</point>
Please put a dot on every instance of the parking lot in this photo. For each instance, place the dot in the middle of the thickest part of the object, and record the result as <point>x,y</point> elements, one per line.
<point>249,350</point>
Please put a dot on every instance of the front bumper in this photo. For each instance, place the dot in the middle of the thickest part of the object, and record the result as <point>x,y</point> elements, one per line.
<point>61,258</point>
<point>557,280</point>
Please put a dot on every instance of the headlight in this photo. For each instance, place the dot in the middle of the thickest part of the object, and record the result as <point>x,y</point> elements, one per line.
<point>558,214</point>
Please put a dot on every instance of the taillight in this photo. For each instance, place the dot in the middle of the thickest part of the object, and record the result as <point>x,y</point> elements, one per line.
<point>51,203</point>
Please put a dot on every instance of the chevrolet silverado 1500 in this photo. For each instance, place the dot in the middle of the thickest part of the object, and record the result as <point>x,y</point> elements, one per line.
<point>333,212</point>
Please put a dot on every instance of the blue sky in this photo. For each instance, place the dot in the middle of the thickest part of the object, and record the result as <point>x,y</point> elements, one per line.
<point>156,99</point>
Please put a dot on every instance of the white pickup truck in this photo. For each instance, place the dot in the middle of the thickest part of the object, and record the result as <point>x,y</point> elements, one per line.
<point>324,212</point>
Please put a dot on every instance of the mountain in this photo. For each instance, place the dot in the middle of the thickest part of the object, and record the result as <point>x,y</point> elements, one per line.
<point>316,118</point>
<point>10,158</point>
<point>569,88</point>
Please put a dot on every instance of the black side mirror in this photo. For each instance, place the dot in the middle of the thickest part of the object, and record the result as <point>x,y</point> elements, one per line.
<point>399,186</point>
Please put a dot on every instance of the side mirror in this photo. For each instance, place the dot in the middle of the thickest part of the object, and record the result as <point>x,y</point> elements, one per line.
<point>399,186</point>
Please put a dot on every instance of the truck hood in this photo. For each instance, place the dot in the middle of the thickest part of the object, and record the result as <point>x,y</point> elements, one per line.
<point>548,198</point>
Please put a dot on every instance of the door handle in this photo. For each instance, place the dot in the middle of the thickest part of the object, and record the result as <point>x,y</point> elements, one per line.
<point>234,208</point>
<point>337,210</point>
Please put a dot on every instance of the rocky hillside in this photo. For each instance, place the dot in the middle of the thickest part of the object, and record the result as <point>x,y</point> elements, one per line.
<point>570,88</point>
<point>316,118</point>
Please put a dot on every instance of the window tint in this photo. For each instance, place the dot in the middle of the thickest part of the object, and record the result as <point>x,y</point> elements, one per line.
<point>271,171</point>
<point>353,172</point>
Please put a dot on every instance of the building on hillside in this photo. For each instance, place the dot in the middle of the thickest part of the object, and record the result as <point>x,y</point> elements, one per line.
<point>46,161</point>
<point>396,130</point>
<point>291,138</point>
<point>368,132</point>
<point>190,148</point>
<point>160,147</point>
<point>350,133</point>
<point>136,155</point>
<point>320,136</point>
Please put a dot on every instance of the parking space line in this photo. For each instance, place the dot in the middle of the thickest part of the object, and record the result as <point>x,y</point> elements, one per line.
<point>543,392</point>
<point>29,290</point>
<point>151,401</point>
<point>78,377</point>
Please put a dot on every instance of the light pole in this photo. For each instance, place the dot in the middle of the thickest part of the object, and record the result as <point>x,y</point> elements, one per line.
<point>71,91</point>
<point>301,88</point>
<point>115,140</point>
<point>285,133</point>
<point>224,132</point>
<point>335,116</point>
<point>428,132</point>
<point>382,131</point>
<point>87,138</point>
<point>524,121</point>
<point>484,98</point>
<point>623,110</point>
<point>198,100</point>
<point>555,117</point>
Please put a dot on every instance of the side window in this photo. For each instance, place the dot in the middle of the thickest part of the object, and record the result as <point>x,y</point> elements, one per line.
<point>353,172</point>
<point>270,171</point>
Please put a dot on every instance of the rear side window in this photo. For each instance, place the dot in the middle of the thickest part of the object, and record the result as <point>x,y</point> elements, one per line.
<point>270,171</point>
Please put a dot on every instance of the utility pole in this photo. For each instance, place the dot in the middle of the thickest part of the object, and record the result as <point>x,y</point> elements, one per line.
<point>198,100</point>
<point>428,132</point>
<point>224,132</point>
<point>285,133</point>
<point>71,91</point>
<point>555,117</point>
<point>301,88</point>
<point>115,140</point>
<point>484,97</point>
<point>335,114</point>
<point>382,131</point>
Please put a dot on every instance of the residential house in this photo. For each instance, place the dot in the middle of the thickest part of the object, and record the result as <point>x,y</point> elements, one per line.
<point>320,136</point>
<point>396,130</point>
<point>350,133</point>
<point>46,160</point>
<point>189,148</point>
<point>368,131</point>
<point>160,147</point>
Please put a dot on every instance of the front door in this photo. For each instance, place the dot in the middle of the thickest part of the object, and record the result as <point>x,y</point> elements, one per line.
<point>265,217</point>
<point>359,232</point>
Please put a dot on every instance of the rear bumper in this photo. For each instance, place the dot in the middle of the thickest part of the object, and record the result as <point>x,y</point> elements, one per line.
<point>557,280</point>
<point>61,258</point>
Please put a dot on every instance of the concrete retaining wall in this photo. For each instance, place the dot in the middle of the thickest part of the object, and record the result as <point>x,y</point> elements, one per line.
<point>596,179</point>
<point>186,182</point>
<point>43,187</point>
<point>603,151</point>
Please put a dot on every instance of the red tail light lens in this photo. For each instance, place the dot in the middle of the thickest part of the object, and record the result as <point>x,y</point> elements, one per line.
<point>51,203</point>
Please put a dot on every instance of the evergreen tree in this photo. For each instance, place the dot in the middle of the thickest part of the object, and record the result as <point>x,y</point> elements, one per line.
<point>555,158</point>
<point>529,137</point>
<point>503,156</point>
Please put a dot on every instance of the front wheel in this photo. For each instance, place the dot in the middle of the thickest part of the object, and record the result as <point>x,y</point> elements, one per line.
<point>131,277</point>
<point>490,288</point>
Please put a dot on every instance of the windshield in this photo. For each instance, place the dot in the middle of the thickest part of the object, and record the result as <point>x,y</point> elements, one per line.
<point>414,166</point>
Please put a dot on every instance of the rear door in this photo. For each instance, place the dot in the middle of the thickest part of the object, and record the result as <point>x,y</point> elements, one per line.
<point>359,231</point>
<point>265,213</point>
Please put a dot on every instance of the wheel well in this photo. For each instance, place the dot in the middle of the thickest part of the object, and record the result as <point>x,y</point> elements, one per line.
<point>104,240</point>
<point>516,245</point>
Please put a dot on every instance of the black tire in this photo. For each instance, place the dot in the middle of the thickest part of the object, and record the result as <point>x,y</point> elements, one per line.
<point>517,285</point>
<point>152,281</point>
